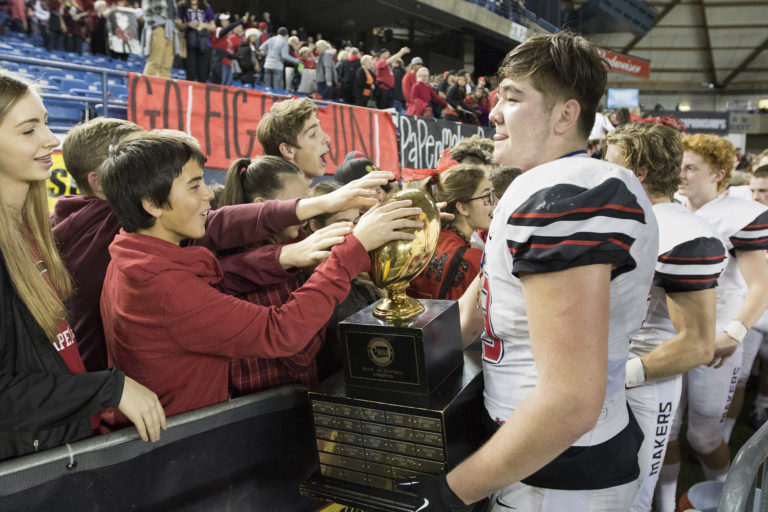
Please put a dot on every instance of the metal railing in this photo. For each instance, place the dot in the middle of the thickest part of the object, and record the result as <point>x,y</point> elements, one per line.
<point>105,100</point>
<point>739,490</point>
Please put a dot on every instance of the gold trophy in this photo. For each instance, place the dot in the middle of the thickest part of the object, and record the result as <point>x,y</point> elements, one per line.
<point>396,263</point>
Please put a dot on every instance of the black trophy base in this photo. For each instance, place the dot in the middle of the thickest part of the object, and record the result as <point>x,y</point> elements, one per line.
<point>410,356</point>
<point>366,444</point>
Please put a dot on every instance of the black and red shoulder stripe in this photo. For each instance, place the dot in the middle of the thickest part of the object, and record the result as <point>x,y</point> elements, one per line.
<point>753,236</point>
<point>567,202</point>
<point>693,265</point>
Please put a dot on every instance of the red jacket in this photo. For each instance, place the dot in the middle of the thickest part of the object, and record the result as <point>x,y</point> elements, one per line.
<point>427,285</point>
<point>407,84</point>
<point>168,327</point>
<point>84,226</point>
<point>421,95</point>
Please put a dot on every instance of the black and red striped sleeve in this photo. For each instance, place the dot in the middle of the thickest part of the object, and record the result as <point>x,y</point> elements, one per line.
<point>691,266</point>
<point>753,236</point>
<point>565,226</point>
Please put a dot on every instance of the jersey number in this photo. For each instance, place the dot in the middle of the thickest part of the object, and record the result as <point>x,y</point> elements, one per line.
<point>493,348</point>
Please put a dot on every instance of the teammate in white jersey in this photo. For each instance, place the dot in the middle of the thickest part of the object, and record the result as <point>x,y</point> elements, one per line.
<point>742,296</point>
<point>678,333</point>
<point>758,187</point>
<point>571,243</point>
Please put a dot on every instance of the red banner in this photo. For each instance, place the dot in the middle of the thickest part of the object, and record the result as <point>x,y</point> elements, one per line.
<point>224,120</point>
<point>626,64</point>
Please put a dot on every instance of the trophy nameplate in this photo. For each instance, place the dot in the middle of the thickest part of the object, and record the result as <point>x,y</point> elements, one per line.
<point>413,355</point>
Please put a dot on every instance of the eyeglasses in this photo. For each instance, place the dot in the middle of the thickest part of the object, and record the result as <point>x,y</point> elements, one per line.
<point>489,199</point>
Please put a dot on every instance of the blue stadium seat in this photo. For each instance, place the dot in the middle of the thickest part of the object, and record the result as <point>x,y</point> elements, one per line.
<point>64,113</point>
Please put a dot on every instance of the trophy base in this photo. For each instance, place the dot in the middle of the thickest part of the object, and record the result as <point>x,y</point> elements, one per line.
<point>398,309</point>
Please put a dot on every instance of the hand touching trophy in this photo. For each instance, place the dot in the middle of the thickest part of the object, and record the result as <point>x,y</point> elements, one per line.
<point>396,263</point>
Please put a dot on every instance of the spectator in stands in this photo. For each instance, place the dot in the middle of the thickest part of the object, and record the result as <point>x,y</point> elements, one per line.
<point>475,150</point>
<point>347,74</point>
<point>17,15</point>
<point>501,178</point>
<point>307,82</point>
<point>423,96</point>
<point>410,78</point>
<point>155,183</point>
<point>76,21</point>
<point>364,84</point>
<point>85,225</point>
<point>292,131</point>
<point>256,181</point>
<point>362,291</point>
<point>292,76</point>
<point>42,18</point>
<point>385,81</point>
<point>46,396</point>
<point>196,18</point>
<point>478,101</point>
<point>247,56</point>
<point>159,36</point>
<point>620,117</point>
<point>455,97</point>
<point>455,264</point>
<point>222,49</point>
<point>99,43</point>
<point>276,50</point>
<point>398,99</point>
<point>326,71</point>
<point>266,20</point>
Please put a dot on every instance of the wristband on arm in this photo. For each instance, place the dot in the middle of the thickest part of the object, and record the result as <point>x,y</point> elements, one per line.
<point>736,330</point>
<point>635,372</point>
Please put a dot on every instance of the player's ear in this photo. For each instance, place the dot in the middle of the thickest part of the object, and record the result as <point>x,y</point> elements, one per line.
<point>567,116</point>
<point>641,174</point>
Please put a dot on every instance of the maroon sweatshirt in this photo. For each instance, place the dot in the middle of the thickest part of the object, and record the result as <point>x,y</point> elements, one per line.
<point>84,226</point>
<point>170,328</point>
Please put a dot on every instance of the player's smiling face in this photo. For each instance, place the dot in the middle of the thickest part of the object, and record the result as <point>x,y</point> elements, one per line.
<point>698,181</point>
<point>523,124</point>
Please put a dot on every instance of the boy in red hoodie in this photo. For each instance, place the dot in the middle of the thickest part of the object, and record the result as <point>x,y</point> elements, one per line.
<point>84,226</point>
<point>164,318</point>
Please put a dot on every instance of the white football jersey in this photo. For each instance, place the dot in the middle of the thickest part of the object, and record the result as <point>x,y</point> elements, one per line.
<point>571,212</point>
<point>743,226</point>
<point>691,258</point>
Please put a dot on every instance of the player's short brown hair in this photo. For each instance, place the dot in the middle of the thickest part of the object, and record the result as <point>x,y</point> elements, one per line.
<point>655,148</point>
<point>560,66</point>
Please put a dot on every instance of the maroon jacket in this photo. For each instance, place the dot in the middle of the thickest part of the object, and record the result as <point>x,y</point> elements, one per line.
<point>84,226</point>
<point>168,327</point>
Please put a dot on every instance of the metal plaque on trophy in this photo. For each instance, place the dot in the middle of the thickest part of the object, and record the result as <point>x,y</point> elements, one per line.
<point>409,401</point>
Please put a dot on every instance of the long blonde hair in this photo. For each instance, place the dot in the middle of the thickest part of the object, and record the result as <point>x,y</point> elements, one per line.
<point>45,303</point>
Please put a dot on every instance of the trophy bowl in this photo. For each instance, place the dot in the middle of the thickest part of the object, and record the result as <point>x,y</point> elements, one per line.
<point>396,263</point>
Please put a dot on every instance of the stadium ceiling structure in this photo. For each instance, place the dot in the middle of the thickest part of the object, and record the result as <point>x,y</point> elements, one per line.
<point>698,45</point>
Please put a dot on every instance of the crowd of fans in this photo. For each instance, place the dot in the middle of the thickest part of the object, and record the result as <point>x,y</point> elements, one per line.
<point>170,305</point>
<point>224,48</point>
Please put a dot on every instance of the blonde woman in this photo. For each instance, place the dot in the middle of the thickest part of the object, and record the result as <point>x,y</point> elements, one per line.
<point>46,398</point>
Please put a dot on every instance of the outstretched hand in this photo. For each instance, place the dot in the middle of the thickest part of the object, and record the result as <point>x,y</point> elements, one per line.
<point>142,407</point>
<point>358,193</point>
<point>316,248</point>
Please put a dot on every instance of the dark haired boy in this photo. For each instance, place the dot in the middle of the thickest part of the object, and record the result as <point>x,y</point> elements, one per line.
<point>571,246</point>
<point>164,318</point>
<point>84,226</point>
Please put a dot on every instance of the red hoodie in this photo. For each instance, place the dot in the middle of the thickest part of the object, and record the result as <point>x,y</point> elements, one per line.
<point>168,327</point>
<point>84,226</point>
